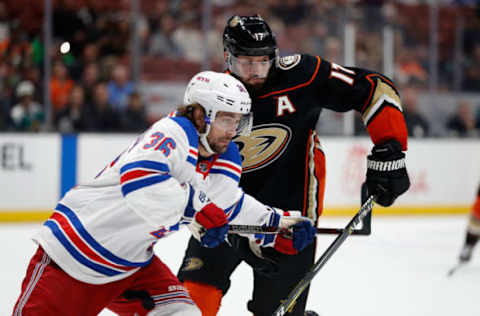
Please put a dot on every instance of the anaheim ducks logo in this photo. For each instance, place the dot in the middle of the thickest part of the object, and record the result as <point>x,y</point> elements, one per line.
<point>288,62</point>
<point>265,144</point>
<point>192,263</point>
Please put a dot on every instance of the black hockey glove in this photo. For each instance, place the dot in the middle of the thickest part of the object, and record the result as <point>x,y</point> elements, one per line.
<point>387,176</point>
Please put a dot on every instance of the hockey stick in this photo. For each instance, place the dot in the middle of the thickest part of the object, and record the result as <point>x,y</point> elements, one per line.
<point>455,268</point>
<point>289,303</point>
<point>252,229</point>
<point>364,231</point>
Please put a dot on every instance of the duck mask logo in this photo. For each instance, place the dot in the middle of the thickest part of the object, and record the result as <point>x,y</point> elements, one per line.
<point>264,145</point>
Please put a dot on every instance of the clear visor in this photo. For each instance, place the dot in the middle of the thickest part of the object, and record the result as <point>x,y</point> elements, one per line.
<point>248,68</point>
<point>241,125</point>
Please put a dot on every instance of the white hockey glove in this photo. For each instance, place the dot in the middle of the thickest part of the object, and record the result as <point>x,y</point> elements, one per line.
<point>209,224</point>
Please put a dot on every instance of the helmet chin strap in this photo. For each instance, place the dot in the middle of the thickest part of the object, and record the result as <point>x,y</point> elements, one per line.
<point>204,140</point>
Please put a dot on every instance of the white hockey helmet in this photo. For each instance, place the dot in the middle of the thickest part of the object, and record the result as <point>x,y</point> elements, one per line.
<point>216,91</point>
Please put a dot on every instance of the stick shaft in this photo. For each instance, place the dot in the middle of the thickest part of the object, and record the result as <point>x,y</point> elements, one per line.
<point>303,284</point>
<point>252,229</point>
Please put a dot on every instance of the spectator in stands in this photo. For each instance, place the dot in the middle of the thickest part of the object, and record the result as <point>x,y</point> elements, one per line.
<point>3,117</point>
<point>68,24</point>
<point>316,41</point>
<point>472,70</point>
<point>75,116</point>
<point>333,51</point>
<point>103,118</point>
<point>409,67</point>
<point>119,88</point>
<point>60,87</point>
<point>90,54</point>
<point>156,15</point>
<point>134,119</point>
<point>5,95</point>
<point>417,125</point>
<point>4,106</point>
<point>215,43</point>
<point>161,43</point>
<point>291,12</point>
<point>115,36</point>
<point>18,52</point>
<point>4,28</point>
<point>90,78</point>
<point>32,74</point>
<point>462,122</point>
<point>477,124</point>
<point>478,117</point>
<point>27,115</point>
<point>188,37</point>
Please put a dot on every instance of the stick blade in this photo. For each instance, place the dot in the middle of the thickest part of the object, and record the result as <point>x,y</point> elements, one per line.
<point>452,271</point>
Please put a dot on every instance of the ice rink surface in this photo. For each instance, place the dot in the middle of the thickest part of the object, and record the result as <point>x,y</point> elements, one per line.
<point>400,270</point>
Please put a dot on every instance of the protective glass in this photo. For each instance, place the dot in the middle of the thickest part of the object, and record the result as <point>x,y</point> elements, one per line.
<point>246,67</point>
<point>242,126</point>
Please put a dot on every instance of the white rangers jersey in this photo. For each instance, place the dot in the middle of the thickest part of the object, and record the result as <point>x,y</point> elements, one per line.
<point>104,230</point>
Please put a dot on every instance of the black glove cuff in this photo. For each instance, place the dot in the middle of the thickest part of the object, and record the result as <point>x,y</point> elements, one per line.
<point>389,150</point>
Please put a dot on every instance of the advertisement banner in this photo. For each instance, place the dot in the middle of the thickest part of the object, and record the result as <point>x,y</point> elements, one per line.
<point>443,173</point>
<point>37,169</point>
<point>29,171</point>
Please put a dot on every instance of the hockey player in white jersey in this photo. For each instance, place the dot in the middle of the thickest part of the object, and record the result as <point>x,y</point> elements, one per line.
<point>96,250</point>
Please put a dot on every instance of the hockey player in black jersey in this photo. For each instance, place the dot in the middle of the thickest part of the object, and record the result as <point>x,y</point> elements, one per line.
<point>283,161</point>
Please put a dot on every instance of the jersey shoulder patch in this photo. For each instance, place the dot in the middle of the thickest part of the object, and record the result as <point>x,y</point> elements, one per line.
<point>288,62</point>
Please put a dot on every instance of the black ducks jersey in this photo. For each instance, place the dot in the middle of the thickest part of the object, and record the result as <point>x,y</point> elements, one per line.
<point>283,162</point>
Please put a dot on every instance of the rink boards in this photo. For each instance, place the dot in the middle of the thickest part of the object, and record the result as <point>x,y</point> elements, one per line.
<point>37,169</point>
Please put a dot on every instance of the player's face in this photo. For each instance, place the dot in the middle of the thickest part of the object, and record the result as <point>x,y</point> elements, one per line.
<point>222,130</point>
<point>252,70</point>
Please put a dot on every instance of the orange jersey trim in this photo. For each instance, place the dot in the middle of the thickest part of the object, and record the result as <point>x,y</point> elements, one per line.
<point>319,175</point>
<point>476,208</point>
<point>387,124</point>
<point>297,86</point>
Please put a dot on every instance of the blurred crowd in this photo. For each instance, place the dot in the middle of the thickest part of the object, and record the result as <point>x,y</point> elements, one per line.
<point>91,87</point>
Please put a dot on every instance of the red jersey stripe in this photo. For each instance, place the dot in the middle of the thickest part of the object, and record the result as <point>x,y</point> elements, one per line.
<point>81,245</point>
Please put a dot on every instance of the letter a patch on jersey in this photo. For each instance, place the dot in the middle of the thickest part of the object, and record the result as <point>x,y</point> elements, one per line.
<point>284,104</point>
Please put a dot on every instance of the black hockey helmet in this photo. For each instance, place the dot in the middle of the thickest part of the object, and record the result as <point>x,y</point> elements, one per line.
<point>249,36</point>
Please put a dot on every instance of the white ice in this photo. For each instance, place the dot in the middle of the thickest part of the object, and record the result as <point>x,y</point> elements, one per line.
<point>400,270</point>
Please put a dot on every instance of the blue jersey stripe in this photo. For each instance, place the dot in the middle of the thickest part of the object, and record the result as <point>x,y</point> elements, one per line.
<point>189,210</point>
<point>174,294</point>
<point>192,160</point>
<point>92,242</point>
<point>135,185</point>
<point>237,209</point>
<point>176,300</point>
<point>189,129</point>
<point>225,173</point>
<point>174,227</point>
<point>148,164</point>
<point>77,255</point>
<point>274,220</point>
<point>268,238</point>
